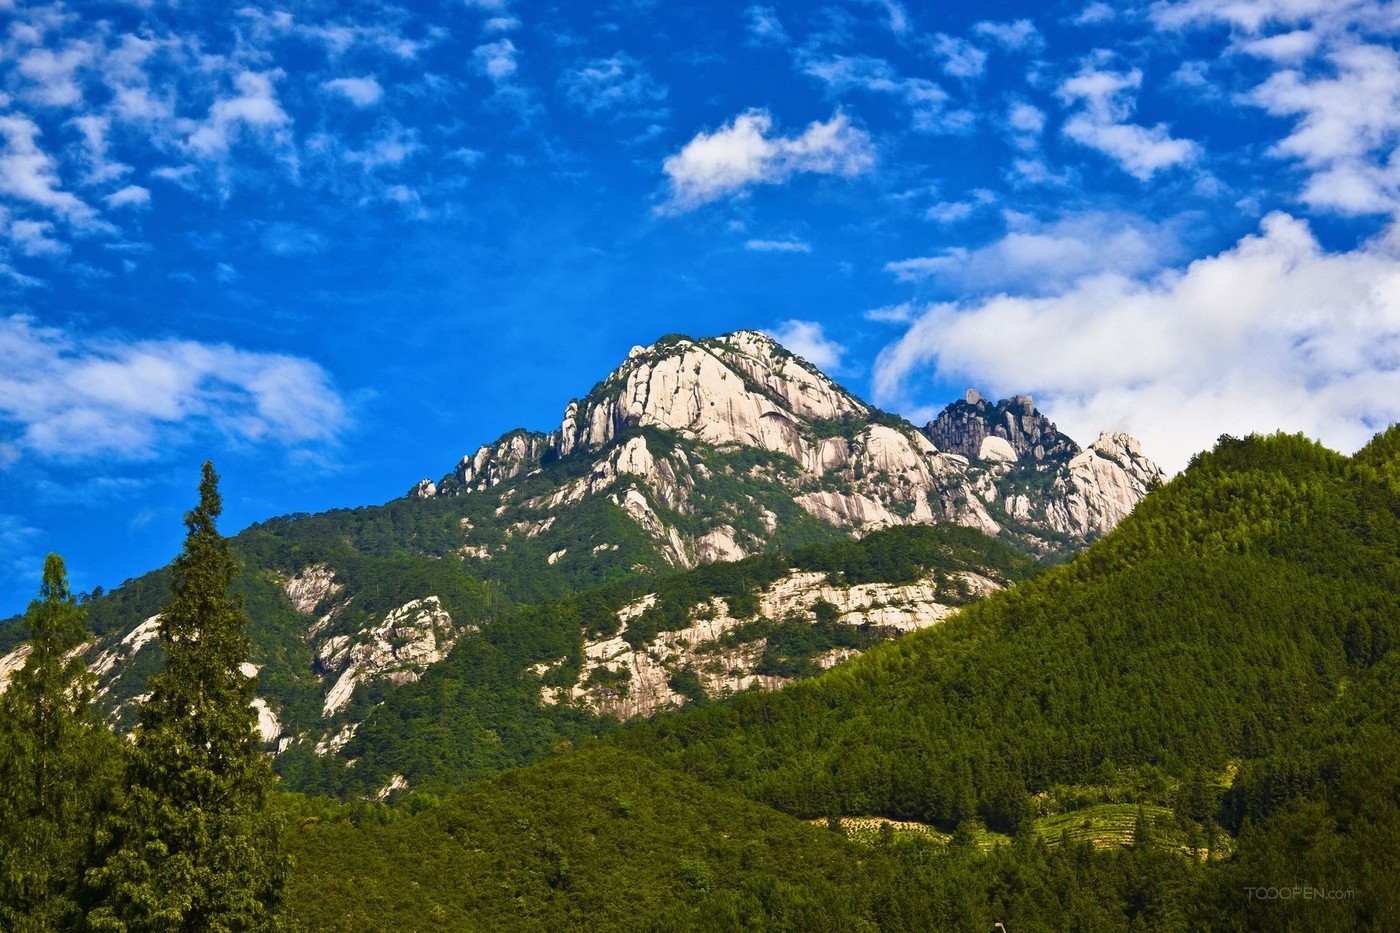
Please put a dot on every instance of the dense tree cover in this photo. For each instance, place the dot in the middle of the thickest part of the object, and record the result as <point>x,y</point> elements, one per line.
<point>58,768</point>
<point>479,712</point>
<point>193,845</point>
<point>603,840</point>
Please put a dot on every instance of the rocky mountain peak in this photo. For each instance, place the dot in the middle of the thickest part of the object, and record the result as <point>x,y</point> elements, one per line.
<point>966,426</point>
<point>740,389</point>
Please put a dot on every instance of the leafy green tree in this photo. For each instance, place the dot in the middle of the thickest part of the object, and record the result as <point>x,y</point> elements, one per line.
<point>57,767</point>
<point>196,848</point>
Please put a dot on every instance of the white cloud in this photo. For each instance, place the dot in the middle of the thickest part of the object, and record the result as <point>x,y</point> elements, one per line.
<point>1347,131</point>
<point>1095,13</point>
<point>32,238</point>
<point>742,153</point>
<point>805,338</point>
<point>30,174</point>
<point>763,26</point>
<point>393,146</point>
<point>1272,334</point>
<point>961,59</point>
<point>1106,100</point>
<point>1034,171</point>
<point>617,83</point>
<point>496,60</point>
<point>895,15</point>
<point>778,246</point>
<point>500,24</point>
<point>255,109</point>
<point>69,397</point>
<point>1026,122</point>
<point>130,196</point>
<point>53,75</point>
<point>1287,48</point>
<point>101,167</point>
<point>362,92</point>
<point>1044,258</point>
<point>947,212</point>
<point>1019,34</point>
<point>1252,15</point>
<point>1193,74</point>
<point>1339,78</point>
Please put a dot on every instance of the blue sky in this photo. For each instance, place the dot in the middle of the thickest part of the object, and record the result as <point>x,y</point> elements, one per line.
<point>335,246</point>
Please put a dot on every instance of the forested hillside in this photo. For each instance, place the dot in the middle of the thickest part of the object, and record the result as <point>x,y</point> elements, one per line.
<point>1214,684</point>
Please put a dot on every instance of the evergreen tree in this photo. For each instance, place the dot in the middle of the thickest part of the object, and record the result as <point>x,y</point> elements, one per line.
<point>57,767</point>
<point>195,848</point>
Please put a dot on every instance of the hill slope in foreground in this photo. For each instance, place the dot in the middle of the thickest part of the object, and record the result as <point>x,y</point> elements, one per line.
<point>1216,684</point>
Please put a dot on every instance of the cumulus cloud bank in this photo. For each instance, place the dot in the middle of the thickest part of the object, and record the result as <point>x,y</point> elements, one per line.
<point>1274,333</point>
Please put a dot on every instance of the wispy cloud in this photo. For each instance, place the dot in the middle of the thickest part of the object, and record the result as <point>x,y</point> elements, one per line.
<point>764,27</point>
<point>1347,131</point>
<point>1338,77</point>
<point>362,92</point>
<point>254,110</point>
<point>744,152</point>
<point>778,246</point>
<point>1042,258</point>
<point>927,102</point>
<point>130,196</point>
<point>896,17</point>
<point>1014,35</point>
<point>72,398</point>
<point>960,58</point>
<point>496,60</point>
<point>30,174</point>
<point>1106,100</point>
<point>616,84</point>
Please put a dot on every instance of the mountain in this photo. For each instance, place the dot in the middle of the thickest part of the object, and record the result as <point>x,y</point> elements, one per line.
<point>547,559</point>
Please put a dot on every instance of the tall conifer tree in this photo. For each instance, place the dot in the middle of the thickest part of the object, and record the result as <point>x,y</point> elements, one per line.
<point>195,848</point>
<point>58,767</point>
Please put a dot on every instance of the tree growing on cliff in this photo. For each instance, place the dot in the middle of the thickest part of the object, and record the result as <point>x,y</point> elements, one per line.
<point>58,767</point>
<point>195,848</point>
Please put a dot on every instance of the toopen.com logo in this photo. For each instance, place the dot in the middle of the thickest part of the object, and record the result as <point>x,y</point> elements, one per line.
<point>1297,892</point>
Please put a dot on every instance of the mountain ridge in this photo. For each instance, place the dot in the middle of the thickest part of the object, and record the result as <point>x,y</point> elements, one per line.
<point>777,402</point>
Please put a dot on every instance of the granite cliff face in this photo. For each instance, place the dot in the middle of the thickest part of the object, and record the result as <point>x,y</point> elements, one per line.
<point>657,429</point>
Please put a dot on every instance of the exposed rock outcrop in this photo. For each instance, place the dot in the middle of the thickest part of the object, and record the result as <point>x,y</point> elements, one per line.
<point>964,427</point>
<point>620,680</point>
<point>1105,483</point>
<point>399,649</point>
